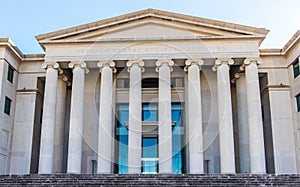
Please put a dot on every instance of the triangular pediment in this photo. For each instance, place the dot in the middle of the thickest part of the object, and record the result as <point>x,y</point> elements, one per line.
<point>143,30</point>
<point>152,24</point>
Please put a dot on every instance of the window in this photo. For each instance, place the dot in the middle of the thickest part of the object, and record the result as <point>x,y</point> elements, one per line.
<point>10,74</point>
<point>123,83</point>
<point>122,117</point>
<point>298,102</point>
<point>150,155</point>
<point>94,166</point>
<point>7,106</point>
<point>177,82</point>
<point>177,140</point>
<point>149,112</point>
<point>296,68</point>
<point>150,83</point>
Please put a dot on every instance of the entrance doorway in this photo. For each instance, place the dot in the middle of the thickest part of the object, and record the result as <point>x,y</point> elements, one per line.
<point>150,155</point>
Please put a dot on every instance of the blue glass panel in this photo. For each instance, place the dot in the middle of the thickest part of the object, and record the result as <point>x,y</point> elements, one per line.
<point>149,166</point>
<point>150,148</point>
<point>150,155</point>
<point>150,112</point>
<point>176,139</point>
<point>122,134</point>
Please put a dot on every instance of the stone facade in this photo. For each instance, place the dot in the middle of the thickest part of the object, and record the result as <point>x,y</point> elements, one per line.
<point>203,90</point>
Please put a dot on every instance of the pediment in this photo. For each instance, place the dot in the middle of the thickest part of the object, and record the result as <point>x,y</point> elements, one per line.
<point>148,30</point>
<point>152,24</point>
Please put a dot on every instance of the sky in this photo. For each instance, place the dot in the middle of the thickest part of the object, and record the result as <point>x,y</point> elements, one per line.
<point>22,20</point>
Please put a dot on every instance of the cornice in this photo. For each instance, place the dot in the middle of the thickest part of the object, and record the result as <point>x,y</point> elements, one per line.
<point>285,50</point>
<point>292,42</point>
<point>18,53</point>
<point>193,38</point>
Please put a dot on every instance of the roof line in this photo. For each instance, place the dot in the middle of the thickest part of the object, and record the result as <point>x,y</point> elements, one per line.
<point>152,12</point>
<point>291,43</point>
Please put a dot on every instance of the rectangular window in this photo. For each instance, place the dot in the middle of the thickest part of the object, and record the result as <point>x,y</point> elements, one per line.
<point>150,112</point>
<point>298,102</point>
<point>177,82</point>
<point>94,166</point>
<point>7,105</point>
<point>10,74</point>
<point>122,117</point>
<point>150,83</point>
<point>122,83</point>
<point>296,68</point>
<point>150,155</point>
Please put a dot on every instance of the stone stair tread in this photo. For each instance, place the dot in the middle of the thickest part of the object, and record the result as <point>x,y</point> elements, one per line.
<point>153,180</point>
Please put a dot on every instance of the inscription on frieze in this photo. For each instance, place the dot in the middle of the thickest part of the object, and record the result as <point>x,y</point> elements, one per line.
<point>137,49</point>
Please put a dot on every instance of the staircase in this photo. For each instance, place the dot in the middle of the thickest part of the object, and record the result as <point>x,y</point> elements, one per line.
<point>149,180</point>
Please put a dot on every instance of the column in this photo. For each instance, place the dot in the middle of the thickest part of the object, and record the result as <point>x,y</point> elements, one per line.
<point>135,68</point>
<point>76,118</point>
<point>243,129</point>
<point>256,139</point>
<point>60,123</point>
<point>164,68</point>
<point>194,114</point>
<point>105,136</point>
<point>49,119</point>
<point>225,116</point>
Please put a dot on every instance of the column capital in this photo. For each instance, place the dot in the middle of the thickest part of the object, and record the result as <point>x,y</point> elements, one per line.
<point>160,63</point>
<point>79,64</point>
<point>46,65</point>
<point>237,76</point>
<point>249,61</point>
<point>53,65</point>
<point>139,63</point>
<point>107,63</point>
<point>220,61</point>
<point>191,62</point>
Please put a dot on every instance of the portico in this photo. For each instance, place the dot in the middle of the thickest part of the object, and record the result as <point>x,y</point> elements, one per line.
<point>161,125</point>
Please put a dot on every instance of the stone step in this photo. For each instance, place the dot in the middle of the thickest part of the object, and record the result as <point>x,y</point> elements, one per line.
<point>146,180</point>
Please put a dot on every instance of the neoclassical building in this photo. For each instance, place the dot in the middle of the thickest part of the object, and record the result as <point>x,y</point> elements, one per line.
<point>151,92</point>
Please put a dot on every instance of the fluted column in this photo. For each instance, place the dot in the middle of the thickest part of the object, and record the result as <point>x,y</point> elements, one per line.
<point>225,116</point>
<point>195,134</point>
<point>49,119</point>
<point>256,139</point>
<point>164,68</point>
<point>241,97</point>
<point>105,136</point>
<point>76,117</point>
<point>135,68</point>
<point>60,123</point>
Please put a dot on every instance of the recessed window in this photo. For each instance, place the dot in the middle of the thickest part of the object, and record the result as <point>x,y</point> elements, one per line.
<point>177,82</point>
<point>296,68</point>
<point>122,83</point>
<point>150,112</point>
<point>7,105</point>
<point>298,102</point>
<point>150,83</point>
<point>10,74</point>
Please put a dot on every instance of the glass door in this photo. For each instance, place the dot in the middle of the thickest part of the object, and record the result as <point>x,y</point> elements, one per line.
<point>150,155</point>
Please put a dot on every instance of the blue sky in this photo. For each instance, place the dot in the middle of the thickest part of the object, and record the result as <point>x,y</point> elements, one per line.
<point>23,20</point>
